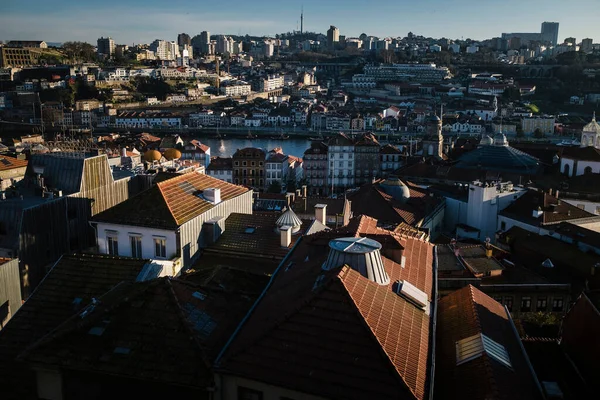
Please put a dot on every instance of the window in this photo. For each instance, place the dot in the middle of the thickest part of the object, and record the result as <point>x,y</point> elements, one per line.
<point>112,245</point>
<point>160,248</point>
<point>244,163</point>
<point>237,163</point>
<point>245,393</point>
<point>526,303</point>
<point>136,246</point>
<point>508,302</point>
<point>557,304</point>
<point>253,163</point>
<point>542,304</point>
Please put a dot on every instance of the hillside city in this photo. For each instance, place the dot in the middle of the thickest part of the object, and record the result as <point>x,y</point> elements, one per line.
<point>300,216</point>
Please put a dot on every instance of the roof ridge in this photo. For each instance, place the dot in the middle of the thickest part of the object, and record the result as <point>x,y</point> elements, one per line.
<point>347,270</point>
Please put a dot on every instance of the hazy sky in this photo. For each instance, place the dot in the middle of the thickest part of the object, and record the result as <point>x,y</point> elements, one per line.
<point>141,21</point>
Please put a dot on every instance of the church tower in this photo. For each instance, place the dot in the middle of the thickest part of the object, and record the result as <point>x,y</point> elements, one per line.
<point>434,141</point>
<point>590,136</point>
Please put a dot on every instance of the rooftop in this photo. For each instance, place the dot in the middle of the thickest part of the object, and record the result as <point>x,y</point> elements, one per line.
<point>170,203</point>
<point>498,369</point>
<point>8,163</point>
<point>333,333</point>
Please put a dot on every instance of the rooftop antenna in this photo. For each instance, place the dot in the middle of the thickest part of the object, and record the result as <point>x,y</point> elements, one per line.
<point>302,19</point>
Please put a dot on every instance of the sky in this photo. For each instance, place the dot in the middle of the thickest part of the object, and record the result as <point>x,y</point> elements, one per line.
<point>142,21</point>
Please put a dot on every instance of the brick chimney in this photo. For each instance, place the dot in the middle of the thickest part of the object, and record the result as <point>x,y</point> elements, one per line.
<point>321,213</point>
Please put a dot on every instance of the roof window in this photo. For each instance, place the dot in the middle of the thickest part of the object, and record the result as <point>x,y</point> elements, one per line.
<point>475,346</point>
<point>250,229</point>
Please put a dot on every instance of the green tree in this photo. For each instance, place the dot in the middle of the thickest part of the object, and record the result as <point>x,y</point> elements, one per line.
<point>79,51</point>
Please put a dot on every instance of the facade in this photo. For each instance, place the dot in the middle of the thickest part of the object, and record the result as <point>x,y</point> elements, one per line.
<point>10,289</point>
<point>271,82</point>
<point>238,88</point>
<point>39,44</point>
<point>590,134</point>
<point>12,170</point>
<point>423,73</point>
<point>277,167</point>
<point>316,170</point>
<point>366,159</point>
<point>106,47</point>
<point>341,162</point>
<point>197,151</point>
<point>221,168</point>
<point>166,222</point>
<point>18,57</point>
<point>390,160</point>
<point>249,167</point>
<point>576,161</point>
<point>550,30</point>
<point>134,119</point>
<point>544,124</point>
<point>333,37</point>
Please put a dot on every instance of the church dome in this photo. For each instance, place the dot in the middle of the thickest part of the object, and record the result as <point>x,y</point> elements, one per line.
<point>486,141</point>
<point>592,127</point>
<point>289,218</point>
<point>394,187</point>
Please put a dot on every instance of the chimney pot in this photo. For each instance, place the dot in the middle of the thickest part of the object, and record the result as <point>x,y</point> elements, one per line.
<point>321,213</point>
<point>285,233</point>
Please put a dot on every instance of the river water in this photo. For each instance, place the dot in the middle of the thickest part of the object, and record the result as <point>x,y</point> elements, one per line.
<point>226,147</point>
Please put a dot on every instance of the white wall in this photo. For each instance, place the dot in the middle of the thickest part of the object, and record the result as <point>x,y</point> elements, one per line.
<point>148,234</point>
<point>589,206</point>
<point>456,213</point>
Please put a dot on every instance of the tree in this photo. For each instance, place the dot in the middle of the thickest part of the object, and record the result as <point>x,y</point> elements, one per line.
<point>538,134</point>
<point>79,51</point>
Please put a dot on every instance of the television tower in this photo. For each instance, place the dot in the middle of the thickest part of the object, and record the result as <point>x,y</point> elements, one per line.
<point>302,20</point>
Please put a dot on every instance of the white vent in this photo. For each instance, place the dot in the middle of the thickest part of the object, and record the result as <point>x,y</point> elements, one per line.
<point>548,263</point>
<point>361,254</point>
<point>414,295</point>
<point>475,346</point>
<point>212,195</point>
<point>537,213</point>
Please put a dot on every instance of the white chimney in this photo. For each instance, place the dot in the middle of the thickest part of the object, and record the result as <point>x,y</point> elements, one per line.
<point>212,194</point>
<point>304,190</point>
<point>285,233</point>
<point>537,213</point>
<point>124,152</point>
<point>321,213</point>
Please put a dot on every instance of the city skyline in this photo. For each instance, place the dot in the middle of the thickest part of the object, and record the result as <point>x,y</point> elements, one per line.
<point>142,22</point>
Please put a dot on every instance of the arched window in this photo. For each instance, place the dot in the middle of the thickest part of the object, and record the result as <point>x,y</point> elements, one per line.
<point>587,170</point>
<point>567,169</point>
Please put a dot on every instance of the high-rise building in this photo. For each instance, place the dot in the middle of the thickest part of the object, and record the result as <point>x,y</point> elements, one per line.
<point>571,40</point>
<point>205,40</point>
<point>183,39</point>
<point>551,29</point>
<point>106,47</point>
<point>587,45</point>
<point>164,50</point>
<point>333,37</point>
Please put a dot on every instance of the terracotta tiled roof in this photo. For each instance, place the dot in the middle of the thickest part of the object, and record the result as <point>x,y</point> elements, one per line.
<point>7,163</point>
<point>463,314</point>
<point>181,197</point>
<point>68,287</point>
<point>170,203</point>
<point>200,145</point>
<point>336,334</point>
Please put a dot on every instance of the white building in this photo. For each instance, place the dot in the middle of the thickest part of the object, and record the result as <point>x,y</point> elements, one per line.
<point>135,119</point>
<point>171,221</point>
<point>236,88</point>
<point>590,135</point>
<point>341,162</point>
<point>271,82</point>
<point>577,161</point>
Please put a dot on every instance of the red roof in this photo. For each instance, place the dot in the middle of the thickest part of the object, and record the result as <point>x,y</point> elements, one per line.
<point>461,315</point>
<point>8,163</point>
<point>335,333</point>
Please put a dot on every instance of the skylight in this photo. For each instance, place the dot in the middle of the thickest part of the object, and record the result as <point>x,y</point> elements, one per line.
<point>249,229</point>
<point>199,295</point>
<point>475,346</point>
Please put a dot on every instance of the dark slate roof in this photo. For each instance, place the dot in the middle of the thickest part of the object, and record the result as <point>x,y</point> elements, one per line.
<point>554,210</point>
<point>68,287</point>
<point>63,171</point>
<point>337,334</point>
<point>499,158</point>
<point>581,153</point>
<point>463,314</point>
<point>184,327</point>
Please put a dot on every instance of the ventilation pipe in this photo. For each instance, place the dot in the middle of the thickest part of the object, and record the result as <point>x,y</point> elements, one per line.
<point>321,213</point>
<point>285,234</point>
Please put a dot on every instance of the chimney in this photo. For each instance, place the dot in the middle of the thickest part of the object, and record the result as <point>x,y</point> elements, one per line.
<point>212,195</point>
<point>298,192</point>
<point>550,191</point>
<point>488,251</point>
<point>124,152</point>
<point>304,190</point>
<point>292,198</point>
<point>285,234</point>
<point>321,213</point>
<point>557,192</point>
<point>537,213</point>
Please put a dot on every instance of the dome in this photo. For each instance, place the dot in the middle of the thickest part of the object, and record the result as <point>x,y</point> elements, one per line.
<point>152,155</point>
<point>289,218</point>
<point>486,141</point>
<point>396,188</point>
<point>172,154</point>
<point>592,127</point>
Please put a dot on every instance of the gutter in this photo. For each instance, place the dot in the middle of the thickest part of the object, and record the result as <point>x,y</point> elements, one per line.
<point>433,324</point>
<point>531,370</point>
